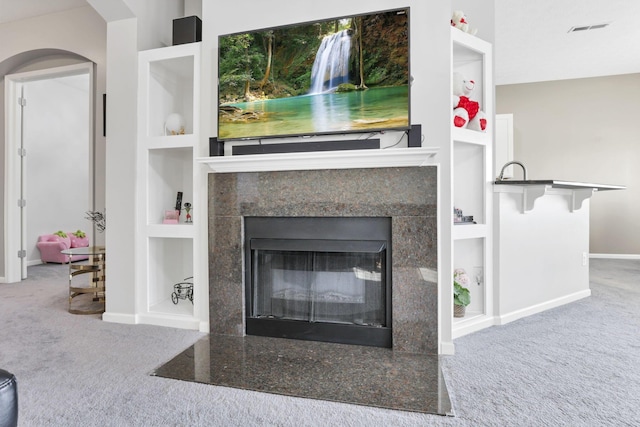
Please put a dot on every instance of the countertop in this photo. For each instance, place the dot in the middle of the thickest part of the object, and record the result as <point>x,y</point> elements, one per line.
<point>555,183</point>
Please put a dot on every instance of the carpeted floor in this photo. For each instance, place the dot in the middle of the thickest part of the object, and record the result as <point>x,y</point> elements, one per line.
<point>576,365</point>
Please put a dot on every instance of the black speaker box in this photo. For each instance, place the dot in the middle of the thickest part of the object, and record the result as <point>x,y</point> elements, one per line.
<point>415,136</point>
<point>187,30</point>
<point>216,148</point>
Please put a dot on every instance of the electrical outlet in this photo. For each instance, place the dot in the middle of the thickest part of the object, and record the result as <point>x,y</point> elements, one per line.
<point>585,258</point>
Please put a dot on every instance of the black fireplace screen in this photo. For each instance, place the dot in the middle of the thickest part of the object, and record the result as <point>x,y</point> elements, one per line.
<point>331,289</point>
<point>336,287</point>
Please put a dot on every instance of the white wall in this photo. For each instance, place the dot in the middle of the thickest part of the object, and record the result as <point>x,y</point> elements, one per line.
<point>584,130</point>
<point>81,33</point>
<point>155,21</point>
<point>541,254</point>
<point>125,36</point>
<point>122,81</point>
<point>56,136</point>
<point>193,7</point>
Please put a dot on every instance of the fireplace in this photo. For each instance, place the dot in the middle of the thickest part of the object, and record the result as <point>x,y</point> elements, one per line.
<point>319,278</point>
<point>403,197</point>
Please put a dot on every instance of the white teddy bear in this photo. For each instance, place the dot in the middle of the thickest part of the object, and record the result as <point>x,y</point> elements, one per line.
<point>459,20</point>
<point>466,111</point>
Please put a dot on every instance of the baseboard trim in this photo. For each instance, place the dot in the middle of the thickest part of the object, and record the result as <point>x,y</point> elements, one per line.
<point>615,256</point>
<point>169,321</point>
<point>3,280</point>
<point>129,319</point>
<point>34,262</point>
<point>539,308</point>
<point>467,327</point>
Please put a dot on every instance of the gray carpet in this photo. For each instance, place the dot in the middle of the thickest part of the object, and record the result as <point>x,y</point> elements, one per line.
<point>576,365</point>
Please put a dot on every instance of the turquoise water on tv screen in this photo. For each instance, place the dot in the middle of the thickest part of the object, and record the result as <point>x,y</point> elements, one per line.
<point>375,108</point>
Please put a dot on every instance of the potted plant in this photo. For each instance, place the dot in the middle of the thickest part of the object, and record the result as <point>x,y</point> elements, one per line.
<point>461,295</point>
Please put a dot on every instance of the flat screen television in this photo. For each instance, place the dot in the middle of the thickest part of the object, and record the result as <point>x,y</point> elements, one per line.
<point>331,76</point>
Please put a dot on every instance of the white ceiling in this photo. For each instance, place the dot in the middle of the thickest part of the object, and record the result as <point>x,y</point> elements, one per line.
<point>532,42</point>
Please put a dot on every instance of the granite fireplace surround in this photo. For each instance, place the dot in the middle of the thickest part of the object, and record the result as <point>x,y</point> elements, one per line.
<point>408,195</point>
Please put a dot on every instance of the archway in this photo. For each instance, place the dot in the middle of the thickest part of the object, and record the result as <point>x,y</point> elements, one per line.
<point>34,66</point>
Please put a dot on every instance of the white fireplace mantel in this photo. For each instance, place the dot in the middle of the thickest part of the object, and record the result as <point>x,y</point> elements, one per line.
<point>343,159</point>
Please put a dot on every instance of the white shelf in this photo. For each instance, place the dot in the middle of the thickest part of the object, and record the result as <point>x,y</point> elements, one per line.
<point>469,316</point>
<point>170,141</point>
<point>168,172</point>
<point>168,77</point>
<point>167,307</point>
<point>468,48</point>
<point>399,157</point>
<point>470,136</point>
<point>169,320</point>
<point>471,182</point>
<point>171,231</point>
<point>169,82</point>
<point>471,322</point>
<point>469,231</point>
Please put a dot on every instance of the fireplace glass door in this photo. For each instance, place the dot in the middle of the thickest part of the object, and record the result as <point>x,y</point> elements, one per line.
<point>321,286</point>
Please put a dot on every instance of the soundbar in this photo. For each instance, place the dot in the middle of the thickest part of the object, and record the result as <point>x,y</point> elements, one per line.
<point>301,147</point>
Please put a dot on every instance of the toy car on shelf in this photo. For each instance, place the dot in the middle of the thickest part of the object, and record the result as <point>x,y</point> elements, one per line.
<point>183,290</point>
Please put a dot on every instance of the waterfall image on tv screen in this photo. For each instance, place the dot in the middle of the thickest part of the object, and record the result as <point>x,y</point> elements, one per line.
<point>341,75</point>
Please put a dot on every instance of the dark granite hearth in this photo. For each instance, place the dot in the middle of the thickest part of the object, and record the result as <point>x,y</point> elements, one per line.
<point>358,375</point>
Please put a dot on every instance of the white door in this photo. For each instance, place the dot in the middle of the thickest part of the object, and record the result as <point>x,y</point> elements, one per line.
<point>49,150</point>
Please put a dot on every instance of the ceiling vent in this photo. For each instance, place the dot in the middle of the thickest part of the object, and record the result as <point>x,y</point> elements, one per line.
<point>588,27</point>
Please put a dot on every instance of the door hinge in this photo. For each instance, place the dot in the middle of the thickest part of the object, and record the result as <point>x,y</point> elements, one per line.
<point>22,203</point>
<point>22,152</point>
<point>22,253</point>
<point>22,102</point>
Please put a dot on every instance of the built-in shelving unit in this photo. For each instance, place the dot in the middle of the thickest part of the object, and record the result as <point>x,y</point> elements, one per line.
<point>169,83</point>
<point>472,169</point>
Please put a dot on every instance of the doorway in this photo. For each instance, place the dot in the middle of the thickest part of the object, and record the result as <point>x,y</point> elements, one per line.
<point>49,156</point>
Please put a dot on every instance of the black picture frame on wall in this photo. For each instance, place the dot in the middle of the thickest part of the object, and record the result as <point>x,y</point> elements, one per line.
<point>104,114</point>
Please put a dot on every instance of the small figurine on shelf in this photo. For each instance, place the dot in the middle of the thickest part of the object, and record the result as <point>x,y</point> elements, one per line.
<point>187,208</point>
<point>459,20</point>
<point>183,290</point>
<point>466,111</point>
<point>460,218</point>
<point>174,124</point>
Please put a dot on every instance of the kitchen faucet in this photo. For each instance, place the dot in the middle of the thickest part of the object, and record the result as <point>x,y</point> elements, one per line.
<point>513,162</point>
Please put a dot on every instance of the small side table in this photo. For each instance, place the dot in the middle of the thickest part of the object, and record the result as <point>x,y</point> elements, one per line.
<point>97,268</point>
